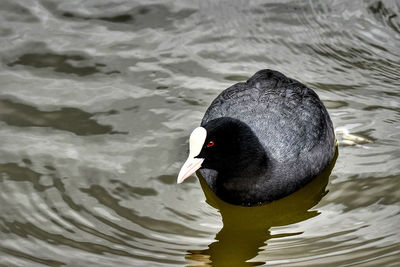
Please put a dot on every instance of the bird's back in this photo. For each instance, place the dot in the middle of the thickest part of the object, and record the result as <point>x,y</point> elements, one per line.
<point>288,118</point>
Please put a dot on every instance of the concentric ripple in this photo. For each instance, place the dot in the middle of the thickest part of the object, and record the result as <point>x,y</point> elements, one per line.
<point>97,100</point>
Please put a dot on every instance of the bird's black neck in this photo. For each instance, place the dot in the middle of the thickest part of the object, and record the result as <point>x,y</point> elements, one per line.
<point>250,164</point>
<point>238,150</point>
<point>241,172</point>
<point>240,185</point>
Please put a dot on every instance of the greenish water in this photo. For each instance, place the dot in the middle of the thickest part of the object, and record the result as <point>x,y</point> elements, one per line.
<point>98,98</point>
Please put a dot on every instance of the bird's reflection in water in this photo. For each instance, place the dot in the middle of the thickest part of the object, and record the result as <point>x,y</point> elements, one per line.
<point>246,229</point>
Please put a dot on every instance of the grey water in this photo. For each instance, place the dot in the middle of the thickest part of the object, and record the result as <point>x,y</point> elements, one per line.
<point>98,98</point>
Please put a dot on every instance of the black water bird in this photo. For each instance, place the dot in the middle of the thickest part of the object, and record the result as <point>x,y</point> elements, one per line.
<point>261,140</point>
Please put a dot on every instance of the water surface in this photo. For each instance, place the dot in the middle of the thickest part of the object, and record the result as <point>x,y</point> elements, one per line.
<point>98,98</point>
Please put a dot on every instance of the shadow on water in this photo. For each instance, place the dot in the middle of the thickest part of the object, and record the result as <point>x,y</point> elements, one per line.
<point>247,229</point>
<point>14,12</point>
<point>385,15</point>
<point>76,64</point>
<point>139,17</point>
<point>11,171</point>
<point>73,120</point>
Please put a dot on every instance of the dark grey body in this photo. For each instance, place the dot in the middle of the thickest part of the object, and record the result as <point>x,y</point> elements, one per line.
<point>293,127</point>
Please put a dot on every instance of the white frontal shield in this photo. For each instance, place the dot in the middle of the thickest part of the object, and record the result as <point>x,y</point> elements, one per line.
<point>192,164</point>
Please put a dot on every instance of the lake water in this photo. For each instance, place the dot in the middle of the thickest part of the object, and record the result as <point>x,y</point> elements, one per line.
<point>98,98</point>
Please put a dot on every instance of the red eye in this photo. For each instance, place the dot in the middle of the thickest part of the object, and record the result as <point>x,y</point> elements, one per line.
<point>210,144</point>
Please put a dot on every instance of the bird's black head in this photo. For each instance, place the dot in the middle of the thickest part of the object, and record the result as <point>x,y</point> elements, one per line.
<point>226,145</point>
<point>230,147</point>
